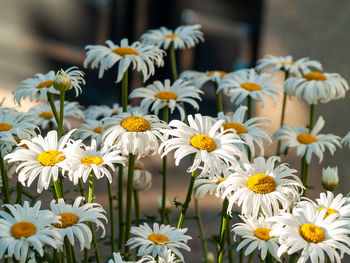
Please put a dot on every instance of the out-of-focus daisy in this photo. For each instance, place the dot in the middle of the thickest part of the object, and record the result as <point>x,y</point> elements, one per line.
<point>95,112</point>
<point>145,259</point>
<point>43,158</point>
<point>142,177</point>
<point>243,83</point>
<point>73,219</point>
<point>134,133</point>
<point>138,56</point>
<point>346,140</point>
<point>296,68</point>
<point>330,178</point>
<point>160,95</point>
<point>261,186</point>
<point>309,231</point>
<point>71,78</point>
<point>159,239</point>
<point>249,130</point>
<point>168,207</point>
<point>91,129</point>
<point>200,78</point>
<point>308,142</point>
<point>207,140</point>
<point>256,233</point>
<point>316,86</point>
<point>182,37</point>
<point>25,229</point>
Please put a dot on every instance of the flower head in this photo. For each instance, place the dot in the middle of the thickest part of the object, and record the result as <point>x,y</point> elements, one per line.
<point>142,177</point>
<point>346,140</point>
<point>200,78</point>
<point>95,112</point>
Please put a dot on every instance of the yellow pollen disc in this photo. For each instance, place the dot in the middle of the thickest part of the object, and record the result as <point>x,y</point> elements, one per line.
<point>329,211</point>
<point>314,75</point>
<point>45,84</point>
<point>5,127</point>
<point>250,86</point>
<point>287,63</point>
<point>135,124</point>
<point>98,129</point>
<point>67,220</point>
<point>23,229</point>
<point>203,142</point>
<point>46,115</point>
<point>122,51</point>
<point>311,233</point>
<point>261,183</point>
<point>158,238</point>
<point>220,180</point>
<point>166,95</point>
<point>306,138</point>
<point>210,73</point>
<point>237,126</point>
<point>263,233</point>
<point>50,158</point>
<point>138,167</point>
<point>172,36</point>
<point>88,160</point>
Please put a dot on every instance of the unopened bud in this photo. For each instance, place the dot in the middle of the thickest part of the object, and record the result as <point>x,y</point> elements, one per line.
<point>62,81</point>
<point>210,257</point>
<point>330,179</point>
<point>142,178</point>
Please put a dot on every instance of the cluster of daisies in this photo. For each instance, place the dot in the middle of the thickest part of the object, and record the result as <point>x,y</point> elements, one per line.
<point>226,153</point>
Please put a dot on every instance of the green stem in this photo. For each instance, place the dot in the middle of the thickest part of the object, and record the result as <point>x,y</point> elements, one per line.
<point>86,255</point>
<point>173,61</point>
<point>224,220</point>
<point>120,207</point>
<point>137,205</point>
<point>312,116</point>
<point>188,199</point>
<point>249,106</point>
<point>129,190</point>
<point>5,182</point>
<point>294,257</point>
<point>278,152</point>
<point>201,231</point>
<point>111,215</point>
<point>250,258</point>
<point>229,243</point>
<point>305,173</point>
<point>53,107</point>
<point>81,188</point>
<point>219,105</point>
<point>60,124</point>
<point>19,193</point>
<point>68,249</point>
<point>58,191</point>
<point>241,255</point>
<point>91,188</point>
<point>269,258</point>
<point>125,91</point>
<point>164,172</point>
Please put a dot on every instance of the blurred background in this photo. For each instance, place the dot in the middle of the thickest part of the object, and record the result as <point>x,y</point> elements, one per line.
<point>42,35</point>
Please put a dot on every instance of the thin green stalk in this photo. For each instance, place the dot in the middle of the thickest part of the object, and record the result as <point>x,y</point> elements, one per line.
<point>68,250</point>
<point>125,91</point>
<point>224,220</point>
<point>294,257</point>
<point>19,193</point>
<point>269,258</point>
<point>86,255</point>
<point>229,243</point>
<point>278,152</point>
<point>60,124</point>
<point>129,190</point>
<point>249,106</point>
<point>63,256</point>
<point>250,258</point>
<point>81,188</point>
<point>164,172</point>
<point>312,117</point>
<point>201,231</point>
<point>58,191</point>
<point>173,61</point>
<point>111,215</point>
<point>5,182</point>
<point>53,107</point>
<point>120,207</point>
<point>188,199</point>
<point>91,188</point>
<point>137,205</point>
<point>241,255</point>
<point>55,256</point>
<point>219,105</point>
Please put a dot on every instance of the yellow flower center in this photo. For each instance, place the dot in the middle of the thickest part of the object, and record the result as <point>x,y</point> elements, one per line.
<point>314,75</point>
<point>166,95</point>
<point>250,86</point>
<point>45,84</point>
<point>203,142</point>
<point>306,138</point>
<point>46,115</point>
<point>237,126</point>
<point>5,127</point>
<point>50,158</point>
<point>329,211</point>
<point>220,180</point>
<point>288,63</point>
<point>88,160</point>
<point>263,233</point>
<point>261,183</point>
<point>158,238</point>
<point>23,229</point>
<point>311,233</point>
<point>138,167</point>
<point>172,36</point>
<point>98,129</point>
<point>122,51</point>
<point>221,73</point>
<point>67,220</point>
<point>135,124</point>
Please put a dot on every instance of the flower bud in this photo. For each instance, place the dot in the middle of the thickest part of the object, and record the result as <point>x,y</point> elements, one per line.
<point>330,179</point>
<point>210,257</point>
<point>142,177</point>
<point>62,81</point>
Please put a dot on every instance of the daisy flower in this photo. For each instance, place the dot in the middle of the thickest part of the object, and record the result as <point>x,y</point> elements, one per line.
<point>146,259</point>
<point>249,131</point>
<point>140,56</point>
<point>142,177</point>
<point>287,64</point>
<point>182,37</point>
<point>158,240</point>
<point>134,133</point>
<point>91,129</point>
<point>200,78</point>
<point>73,220</point>
<point>95,112</point>
<point>316,86</point>
<point>308,143</point>
<point>262,186</point>
<point>43,158</point>
<point>330,178</point>
<point>309,231</point>
<point>346,140</point>
<point>26,229</point>
<point>73,76</point>
<point>167,95</point>
<point>206,139</point>
<point>243,83</point>
<point>256,233</point>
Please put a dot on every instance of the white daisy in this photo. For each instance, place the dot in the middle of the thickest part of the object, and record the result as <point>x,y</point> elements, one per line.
<point>262,186</point>
<point>256,233</point>
<point>308,142</point>
<point>159,239</point>
<point>73,220</point>
<point>316,86</point>
<point>91,129</point>
<point>182,37</point>
<point>346,140</point>
<point>142,177</point>
<point>296,68</point>
<point>243,83</point>
<point>145,259</point>
<point>249,130</point>
<point>140,56</point>
<point>205,138</point>
<point>25,229</point>
<point>75,78</point>
<point>134,133</point>
<point>166,94</point>
<point>95,112</point>
<point>200,78</point>
<point>330,178</point>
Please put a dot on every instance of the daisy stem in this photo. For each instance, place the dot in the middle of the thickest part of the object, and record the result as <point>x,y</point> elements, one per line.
<point>53,107</point>
<point>81,188</point>
<point>58,191</point>
<point>129,191</point>
<point>120,207</point>
<point>229,243</point>
<point>91,188</point>
<point>249,106</point>
<point>164,171</point>
<point>5,182</point>
<point>137,205</point>
<point>219,105</point>
<point>111,215</point>
<point>224,220</point>
<point>60,124</point>
<point>173,61</point>
<point>278,152</point>
<point>68,248</point>
<point>201,231</point>
<point>188,199</point>
<point>19,193</point>
<point>125,91</point>
<point>312,117</point>
<point>294,257</point>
